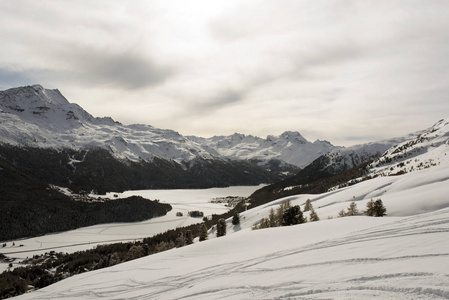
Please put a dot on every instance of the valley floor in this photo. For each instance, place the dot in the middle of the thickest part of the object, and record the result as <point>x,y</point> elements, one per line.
<point>88,237</point>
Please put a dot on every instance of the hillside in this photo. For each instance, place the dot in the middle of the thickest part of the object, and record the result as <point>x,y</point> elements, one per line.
<point>340,167</point>
<point>401,256</point>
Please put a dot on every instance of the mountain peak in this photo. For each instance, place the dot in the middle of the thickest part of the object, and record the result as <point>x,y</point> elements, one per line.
<point>293,136</point>
<point>32,96</point>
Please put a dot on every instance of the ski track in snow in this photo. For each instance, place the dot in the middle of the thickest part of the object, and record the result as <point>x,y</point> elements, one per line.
<point>358,264</point>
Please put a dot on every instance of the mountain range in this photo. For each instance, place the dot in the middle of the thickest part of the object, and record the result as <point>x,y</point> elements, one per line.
<point>36,117</point>
<point>40,129</point>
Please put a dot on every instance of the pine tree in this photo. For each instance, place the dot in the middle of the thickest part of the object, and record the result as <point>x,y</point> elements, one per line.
<point>341,213</point>
<point>281,210</point>
<point>203,233</point>
<point>313,215</point>
<point>379,208</point>
<point>180,240</point>
<point>221,228</point>
<point>272,218</point>
<point>292,216</point>
<point>236,219</point>
<point>352,209</point>
<point>189,237</point>
<point>308,206</point>
<point>369,208</point>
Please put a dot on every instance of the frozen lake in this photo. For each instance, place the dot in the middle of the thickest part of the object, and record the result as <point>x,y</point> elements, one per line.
<point>87,237</point>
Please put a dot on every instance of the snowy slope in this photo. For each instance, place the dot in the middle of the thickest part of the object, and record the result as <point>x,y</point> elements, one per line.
<point>401,256</point>
<point>348,258</point>
<point>426,150</point>
<point>341,159</point>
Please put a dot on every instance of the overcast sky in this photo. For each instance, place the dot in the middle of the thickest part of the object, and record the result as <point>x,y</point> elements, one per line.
<point>344,71</point>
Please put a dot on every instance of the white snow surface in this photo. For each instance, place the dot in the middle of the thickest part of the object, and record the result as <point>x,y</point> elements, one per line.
<point>38,117</point>
<point>402,256</point>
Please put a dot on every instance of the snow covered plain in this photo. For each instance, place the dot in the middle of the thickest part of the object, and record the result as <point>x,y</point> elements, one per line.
<point>402,256</point>
<point>87,237</point>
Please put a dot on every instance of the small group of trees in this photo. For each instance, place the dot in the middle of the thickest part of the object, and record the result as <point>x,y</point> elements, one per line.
<point>374,208</point>
<point>221,224</point>
<point>351,210</point>
<point>286,215</point>
<point>309,207</point>
<point>184,239</point>
<point>196,214</point>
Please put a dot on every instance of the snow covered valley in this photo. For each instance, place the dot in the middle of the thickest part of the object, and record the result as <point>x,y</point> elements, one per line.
<point>402,256</point>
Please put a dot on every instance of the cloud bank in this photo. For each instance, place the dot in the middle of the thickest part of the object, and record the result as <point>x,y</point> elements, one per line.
<point>345,71</point>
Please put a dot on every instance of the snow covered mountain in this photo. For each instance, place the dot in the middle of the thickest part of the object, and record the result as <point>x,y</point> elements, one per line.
<point>427,149</point>
<point>37,117</point>
<point>289,147</point>
<point>394,156</point>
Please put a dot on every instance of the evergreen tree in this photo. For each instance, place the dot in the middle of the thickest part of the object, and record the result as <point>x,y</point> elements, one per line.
<point>341,213</point>
<point>221,228</point>
<point>272,218</point>
<point>281,210</point>
<point>352,209</point>
<point>180,240</point>
<point>379,208</point>
<point>189,237</point>
<point>369,208</point>
<point>308,206</point>
<point>264,223</point>
<point>236,219</point>
<point>313,215</point>
<point>203,232</point>
<point>292,216</point>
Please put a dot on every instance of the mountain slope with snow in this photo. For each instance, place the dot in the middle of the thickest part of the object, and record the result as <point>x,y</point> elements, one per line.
<point>38,117</point>
<point>289,147</point>
<point>401,256</point>
<point>426,150</point>
<point>345,258</point>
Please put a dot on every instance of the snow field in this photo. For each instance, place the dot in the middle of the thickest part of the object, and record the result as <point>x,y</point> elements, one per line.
<point>402,256</point>
<point>346,258</point>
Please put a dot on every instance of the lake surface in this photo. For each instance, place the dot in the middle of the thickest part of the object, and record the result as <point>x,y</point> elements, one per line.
<point>88,237</point>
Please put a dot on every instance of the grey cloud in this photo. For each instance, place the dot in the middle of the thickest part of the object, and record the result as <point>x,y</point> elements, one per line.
<point>126,70</point>
<point>224,99</point>
<point>216,102</point>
